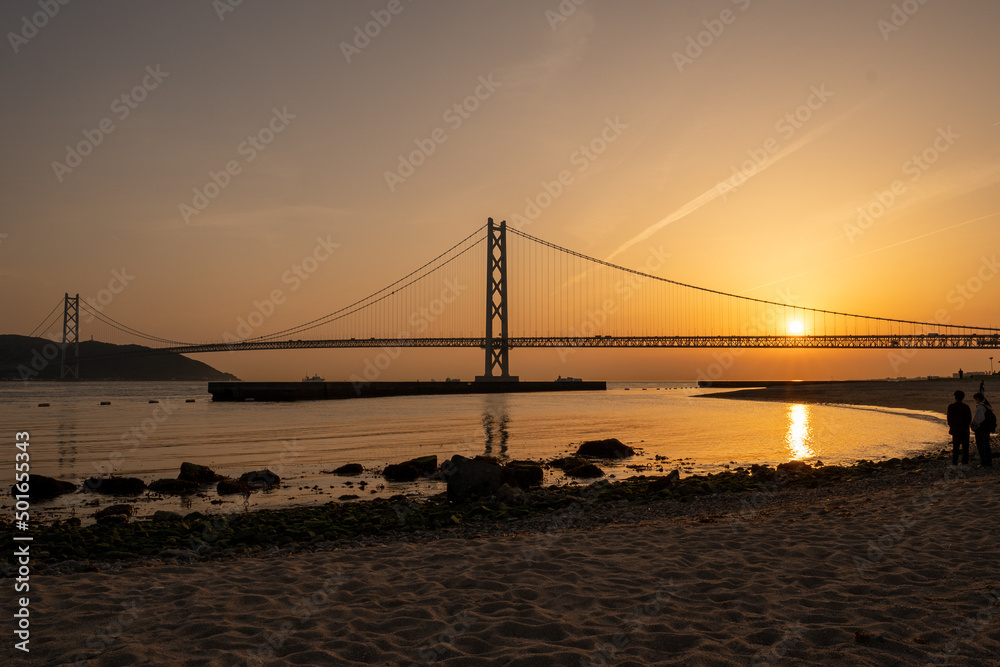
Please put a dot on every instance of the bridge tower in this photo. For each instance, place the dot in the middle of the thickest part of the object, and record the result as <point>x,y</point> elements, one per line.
<point>71,336</point>
<point>497,367</point>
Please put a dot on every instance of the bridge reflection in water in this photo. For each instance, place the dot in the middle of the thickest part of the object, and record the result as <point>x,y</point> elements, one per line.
<point>495,421</point>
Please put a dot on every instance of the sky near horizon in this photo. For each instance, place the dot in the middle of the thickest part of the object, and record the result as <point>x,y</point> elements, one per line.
<point>186,157</point>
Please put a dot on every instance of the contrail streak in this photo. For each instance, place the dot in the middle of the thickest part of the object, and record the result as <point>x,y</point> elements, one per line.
<point>712,194</point>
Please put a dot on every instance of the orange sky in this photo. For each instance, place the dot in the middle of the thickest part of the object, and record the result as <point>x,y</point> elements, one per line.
<point>741,138</point>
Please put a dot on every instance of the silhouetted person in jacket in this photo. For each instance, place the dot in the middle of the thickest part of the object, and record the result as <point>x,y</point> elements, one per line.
<point>982,431</point>
<point>959,419</point>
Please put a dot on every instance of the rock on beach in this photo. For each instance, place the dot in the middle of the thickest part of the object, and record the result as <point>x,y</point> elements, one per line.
<point>260,479</point>
<point>480,477</point>
<point>116,486</point>
<point>41,487</point>
<point>199,474</point>
<point>411,470</point>
<point>610,448</point>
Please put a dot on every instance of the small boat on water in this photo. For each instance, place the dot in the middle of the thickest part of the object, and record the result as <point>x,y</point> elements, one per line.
<point>314,378</point>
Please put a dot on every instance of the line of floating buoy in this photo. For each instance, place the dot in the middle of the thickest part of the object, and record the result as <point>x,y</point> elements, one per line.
<point>190,400</point>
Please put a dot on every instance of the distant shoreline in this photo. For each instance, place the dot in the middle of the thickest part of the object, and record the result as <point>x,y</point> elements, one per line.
<point>26,358</point>
<point>927,395</point>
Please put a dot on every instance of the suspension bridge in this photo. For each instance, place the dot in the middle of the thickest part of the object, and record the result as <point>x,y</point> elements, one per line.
<point>500,288</point>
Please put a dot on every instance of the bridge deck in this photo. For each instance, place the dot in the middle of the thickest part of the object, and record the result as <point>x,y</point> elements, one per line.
<point>929,341</point>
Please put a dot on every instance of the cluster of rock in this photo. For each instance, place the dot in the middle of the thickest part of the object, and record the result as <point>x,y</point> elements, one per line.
<point>191,479</point>
<point>483,476</point>
<point>122,513</point>
<point>789,469</point>
<point>466,478</point>
<point>578,466</point>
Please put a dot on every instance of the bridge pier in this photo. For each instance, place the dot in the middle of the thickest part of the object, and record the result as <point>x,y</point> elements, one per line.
<point>497,345</point>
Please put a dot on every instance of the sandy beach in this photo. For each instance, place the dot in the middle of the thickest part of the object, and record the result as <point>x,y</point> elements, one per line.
<point>925,395</point>
<point>894,571</point>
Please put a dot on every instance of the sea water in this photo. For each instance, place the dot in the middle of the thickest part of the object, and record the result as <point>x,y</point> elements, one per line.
<point>670,424</point>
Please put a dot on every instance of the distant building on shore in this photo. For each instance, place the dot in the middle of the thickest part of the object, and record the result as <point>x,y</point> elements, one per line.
<point>971,374</point>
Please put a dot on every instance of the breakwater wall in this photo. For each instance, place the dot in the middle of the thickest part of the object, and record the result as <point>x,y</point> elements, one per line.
<point>322,391</point>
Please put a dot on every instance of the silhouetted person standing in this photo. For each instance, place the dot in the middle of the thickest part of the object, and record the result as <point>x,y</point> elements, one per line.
<point>982,431</point>
<point>959,419</point>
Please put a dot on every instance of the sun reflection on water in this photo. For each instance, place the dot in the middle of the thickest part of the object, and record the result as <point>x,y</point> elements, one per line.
<point>799,435</point>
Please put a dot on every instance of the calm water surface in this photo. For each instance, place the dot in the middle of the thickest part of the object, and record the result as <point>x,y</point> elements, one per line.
<point>75,437</point>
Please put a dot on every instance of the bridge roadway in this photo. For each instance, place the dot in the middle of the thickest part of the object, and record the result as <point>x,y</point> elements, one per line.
<point>927,341</point>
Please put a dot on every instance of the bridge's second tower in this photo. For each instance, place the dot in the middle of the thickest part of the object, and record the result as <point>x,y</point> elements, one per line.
<point>497,348</point>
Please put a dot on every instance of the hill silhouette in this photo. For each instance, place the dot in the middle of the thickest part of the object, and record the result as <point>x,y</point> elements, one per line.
<point>24,357</point>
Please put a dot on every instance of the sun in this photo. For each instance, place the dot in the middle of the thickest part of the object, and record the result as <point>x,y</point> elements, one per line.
<point>796,328</point>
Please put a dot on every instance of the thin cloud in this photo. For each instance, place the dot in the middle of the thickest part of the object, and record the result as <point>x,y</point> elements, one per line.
<point>564,49</point>
<point>877,250</point>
